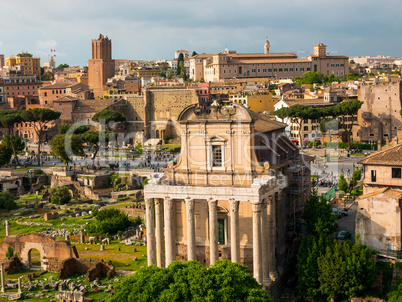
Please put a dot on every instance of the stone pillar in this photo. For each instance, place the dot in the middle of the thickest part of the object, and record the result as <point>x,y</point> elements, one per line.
<point>82,236</point>
<point>67,237</point>
<point>149,212</point>
<point>234,230</point>
<point>213,230</point>
<point>19,285</point>
<point>271,237</point>
<point>257,246</point>
<point>102,248</point>
<point>160,258</point>
<point>7,225</point>
<point>169,236</point>
<point>264,238</point>
<point>191,245</point>
<point>3,290</point>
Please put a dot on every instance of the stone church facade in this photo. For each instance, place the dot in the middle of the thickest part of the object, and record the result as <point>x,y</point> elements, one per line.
<point>227,196</point>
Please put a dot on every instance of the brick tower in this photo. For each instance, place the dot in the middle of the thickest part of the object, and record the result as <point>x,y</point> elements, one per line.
<point>100,66</point>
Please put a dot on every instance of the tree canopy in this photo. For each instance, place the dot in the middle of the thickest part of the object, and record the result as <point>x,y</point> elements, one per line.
<point>96,138</point>
<point>108,116</point>
<point>5,154</point>
<point>38,118</point>
<point>64,146</point>
<point>108,221</point>
<point>7,201</point>
<point>59,195</point>
<point>76,128</point>
<point>190,281</point>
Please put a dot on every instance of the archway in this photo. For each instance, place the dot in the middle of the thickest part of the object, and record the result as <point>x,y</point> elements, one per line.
<point>34,259</point>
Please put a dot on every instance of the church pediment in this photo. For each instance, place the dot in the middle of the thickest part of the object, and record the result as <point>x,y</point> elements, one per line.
<point>216,138</point>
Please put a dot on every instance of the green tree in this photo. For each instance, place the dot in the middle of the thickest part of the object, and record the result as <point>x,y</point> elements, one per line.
<point>47,76</point>
<point>108,116</point>
<point>108,221</point>
<point>63,66</point>
<point>346,270</point>
<point>328,126</point>
<point>5,154</point>
<point>59,195</point>
<point>76,128</point>
<point>396,295</point>
<point>8,119</point>
<point>317,214</point>
<point>7,201</point>
<point>138,149</point>
<point>96,138</point>
<point>309,78</point>
<point>397,72</point>
<point>345,110</point>
<point>296,115</point>
<point>190,281</point>
<point>343,184</point>
<point>180,59</point>
<point>194,53</point>
<point>63,146</point>
<point>356,176</point>
<point>10,252</point>
<point>39,119</point>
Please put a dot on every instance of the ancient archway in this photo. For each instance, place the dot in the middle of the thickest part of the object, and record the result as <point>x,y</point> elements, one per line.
<point>34,258</point>
<point>52,251</point>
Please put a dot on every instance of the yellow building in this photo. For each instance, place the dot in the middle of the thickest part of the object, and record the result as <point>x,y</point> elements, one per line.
<point>28,65</point>
<point>147,73</point>
<point>256,103</point>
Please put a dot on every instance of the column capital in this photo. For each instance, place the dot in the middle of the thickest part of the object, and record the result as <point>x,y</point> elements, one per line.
<point>158,201</point>
<point>168,201</point>
<point>148,200</point>
<point>234,204</point>
<point>256,207</point>
<point>189,202</point>
<point>212,202</point>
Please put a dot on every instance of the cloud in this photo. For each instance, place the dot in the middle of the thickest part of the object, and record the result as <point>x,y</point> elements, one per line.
<point>48,44</point>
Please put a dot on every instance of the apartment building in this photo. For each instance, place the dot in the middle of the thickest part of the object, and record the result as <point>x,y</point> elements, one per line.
<point>25,63</point>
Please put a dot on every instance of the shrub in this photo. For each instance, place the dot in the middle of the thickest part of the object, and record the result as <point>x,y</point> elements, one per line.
<point>7,201</point>
<point>108,221</point>
<point>10,252</point>
<point>59,195</point>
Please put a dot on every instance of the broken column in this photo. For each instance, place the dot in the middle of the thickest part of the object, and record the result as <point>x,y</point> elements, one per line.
<point>82,236</point>
<point>19,285</point>
<point>67,237</point>
<point>102,247</point>
<point>7,224</point>
<point>3,290</point>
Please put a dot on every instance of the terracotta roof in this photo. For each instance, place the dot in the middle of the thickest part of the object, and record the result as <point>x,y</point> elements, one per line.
<point>390,156</point>
<point>263,123</point>
<point>387,191</point>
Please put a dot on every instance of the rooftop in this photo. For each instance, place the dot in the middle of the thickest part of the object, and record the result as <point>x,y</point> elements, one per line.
<point>391,156</point>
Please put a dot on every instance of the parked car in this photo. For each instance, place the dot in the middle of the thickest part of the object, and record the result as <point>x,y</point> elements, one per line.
<point>341,213</point>
<point>344,235</point>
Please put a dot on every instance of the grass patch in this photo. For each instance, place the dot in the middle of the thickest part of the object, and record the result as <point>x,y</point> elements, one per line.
<point>170,147</point>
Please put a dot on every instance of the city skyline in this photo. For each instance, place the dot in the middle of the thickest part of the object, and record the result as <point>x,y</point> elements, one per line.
<point>156,29</point>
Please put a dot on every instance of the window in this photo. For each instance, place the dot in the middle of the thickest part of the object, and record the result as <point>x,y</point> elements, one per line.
<point>221,231</point>
<point>305,128</point>
<point>373,176</point>
<point>217,156</point>
<point>396,172</point>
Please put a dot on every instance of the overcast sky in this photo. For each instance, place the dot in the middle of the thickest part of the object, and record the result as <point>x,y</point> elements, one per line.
<point>155,29</point>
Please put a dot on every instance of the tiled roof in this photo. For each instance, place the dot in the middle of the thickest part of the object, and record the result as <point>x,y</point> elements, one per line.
<point>264,124</point>
<point>387,191</point>
<point>388,156</point>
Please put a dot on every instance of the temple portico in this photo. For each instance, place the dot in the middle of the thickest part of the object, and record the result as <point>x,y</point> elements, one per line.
<point>257,199</point>
<point>225,196</point>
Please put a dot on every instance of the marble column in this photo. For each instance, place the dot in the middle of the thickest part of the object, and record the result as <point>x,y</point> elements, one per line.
<point>257,246</point>
<point>271,237</point>
<point>169,236</point>
<point>191,245</point>
<point>3,290</point>
<point>160,257</point>
<point>82,236</point>
<point>213,230</point>
<point>234,230</point>
<point>264,238</point>
<point>19,285</point>
<point>7,225</point>
<point>149,212</point>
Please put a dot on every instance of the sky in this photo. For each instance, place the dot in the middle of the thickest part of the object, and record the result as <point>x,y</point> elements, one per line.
<point>155,29</point>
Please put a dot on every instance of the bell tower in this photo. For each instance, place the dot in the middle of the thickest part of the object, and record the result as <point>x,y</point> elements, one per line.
<point>267,47</point>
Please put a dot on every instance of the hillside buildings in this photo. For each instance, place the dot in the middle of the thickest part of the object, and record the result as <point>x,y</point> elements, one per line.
<point>230,64</point>
<point>24,64</point>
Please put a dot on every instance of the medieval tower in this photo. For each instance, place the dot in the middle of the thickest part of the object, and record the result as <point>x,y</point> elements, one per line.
<point>100,66</point>
<point>267,47</point>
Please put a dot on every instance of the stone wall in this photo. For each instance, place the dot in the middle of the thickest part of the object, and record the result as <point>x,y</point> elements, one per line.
<point>92,268</point>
